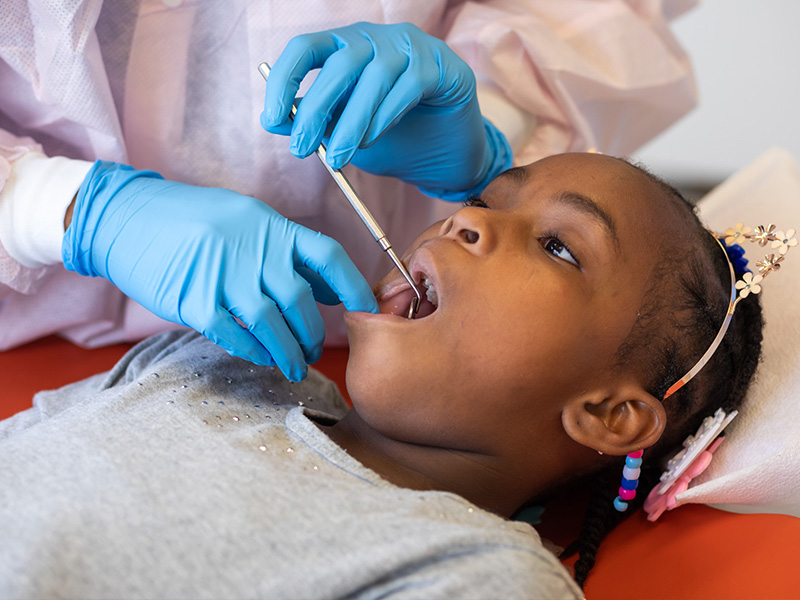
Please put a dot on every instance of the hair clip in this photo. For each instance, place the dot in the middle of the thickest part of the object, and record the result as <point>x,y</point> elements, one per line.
<point>688,463</point>
<point>693,445</point>
<point>748,283</point>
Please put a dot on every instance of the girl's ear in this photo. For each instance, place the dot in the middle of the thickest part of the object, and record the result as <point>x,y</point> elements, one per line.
<point>616,422</point>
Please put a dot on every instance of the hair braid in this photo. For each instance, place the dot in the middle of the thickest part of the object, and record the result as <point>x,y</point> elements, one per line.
<point>595,523</point>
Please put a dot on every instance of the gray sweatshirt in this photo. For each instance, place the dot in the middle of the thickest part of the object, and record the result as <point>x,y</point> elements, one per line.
<point>186,473</point>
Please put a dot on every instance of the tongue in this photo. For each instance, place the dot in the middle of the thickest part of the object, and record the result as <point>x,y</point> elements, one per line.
<point>399,303</point>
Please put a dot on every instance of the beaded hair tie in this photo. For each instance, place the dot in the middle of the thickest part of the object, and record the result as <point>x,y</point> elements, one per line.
<point>747,284</point>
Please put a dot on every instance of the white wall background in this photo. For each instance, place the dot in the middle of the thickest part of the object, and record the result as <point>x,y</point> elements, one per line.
<point>746,55</point>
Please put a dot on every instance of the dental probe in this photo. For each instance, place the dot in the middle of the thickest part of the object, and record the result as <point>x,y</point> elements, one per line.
<point>361,209</point>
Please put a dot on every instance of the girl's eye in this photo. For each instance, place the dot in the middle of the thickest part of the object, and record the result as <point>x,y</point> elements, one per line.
<point>475,201</point>
<point>557,248</point>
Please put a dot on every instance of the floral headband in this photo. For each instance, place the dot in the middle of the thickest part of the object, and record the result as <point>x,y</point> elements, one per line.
<point>748,283</point>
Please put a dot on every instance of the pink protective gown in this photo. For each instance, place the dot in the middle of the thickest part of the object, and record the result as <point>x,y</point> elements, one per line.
<point>172,85</point>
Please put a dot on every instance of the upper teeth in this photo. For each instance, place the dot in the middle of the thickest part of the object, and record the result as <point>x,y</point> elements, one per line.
<point>431,291</point>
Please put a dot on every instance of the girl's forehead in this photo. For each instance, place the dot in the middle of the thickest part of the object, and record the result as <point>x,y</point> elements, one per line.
<point>603,176</point>
<point>622,193</point>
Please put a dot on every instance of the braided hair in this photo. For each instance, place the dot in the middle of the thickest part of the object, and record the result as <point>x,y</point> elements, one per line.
<point>683,309</point>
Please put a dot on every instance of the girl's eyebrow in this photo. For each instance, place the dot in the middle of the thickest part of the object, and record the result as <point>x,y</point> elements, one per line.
<point>518,174</point>
<point>589,207</point>
<point>572,199</point>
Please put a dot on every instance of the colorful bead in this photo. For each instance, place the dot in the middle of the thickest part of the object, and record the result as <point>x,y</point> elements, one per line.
<point>629,473</point>
<point>633,463</point>
<point>630,480</point>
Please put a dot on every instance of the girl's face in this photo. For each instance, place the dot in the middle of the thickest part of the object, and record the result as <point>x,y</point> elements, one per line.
<point>536,287</point>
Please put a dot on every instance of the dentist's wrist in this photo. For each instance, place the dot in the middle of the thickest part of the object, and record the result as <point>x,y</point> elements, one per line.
<point>33,206</point>
<point>68,214</point>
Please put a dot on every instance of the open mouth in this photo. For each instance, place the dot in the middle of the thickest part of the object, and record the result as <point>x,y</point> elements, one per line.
<point>397,296</point>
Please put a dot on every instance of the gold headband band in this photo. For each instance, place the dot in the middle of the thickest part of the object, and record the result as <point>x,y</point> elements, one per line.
<point>748,284</point>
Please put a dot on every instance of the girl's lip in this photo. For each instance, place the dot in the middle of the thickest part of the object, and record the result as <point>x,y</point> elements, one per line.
<point>364,316</point>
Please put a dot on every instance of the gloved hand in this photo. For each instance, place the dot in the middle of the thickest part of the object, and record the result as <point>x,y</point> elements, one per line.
<point>394,100</point>
<point>202,256</point>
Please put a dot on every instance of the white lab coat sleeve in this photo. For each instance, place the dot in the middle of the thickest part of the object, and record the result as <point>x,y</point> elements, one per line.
<point>575,74</point>
<point>38,296</point>
<point>35,191</point>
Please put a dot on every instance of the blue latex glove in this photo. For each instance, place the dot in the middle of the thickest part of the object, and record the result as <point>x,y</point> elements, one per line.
<point>202,256</point>
<point>394,100</point>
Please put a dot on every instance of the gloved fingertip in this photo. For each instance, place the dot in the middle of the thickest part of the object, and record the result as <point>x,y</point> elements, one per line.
<point>299,147</point>
<point>339,158</point>
<point>369,304</point>
<point>335,162</point>
<point>251,352</point>
<point>267,119</point>
<point>314,355</point>
<point>297,373</point>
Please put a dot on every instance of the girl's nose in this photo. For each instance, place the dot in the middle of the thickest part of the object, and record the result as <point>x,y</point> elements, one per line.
<point>471,227</point>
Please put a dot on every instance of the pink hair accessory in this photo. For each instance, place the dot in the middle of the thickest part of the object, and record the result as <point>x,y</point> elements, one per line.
<point>656,504</point>
<point>688,463</point>
<point>709,430</point>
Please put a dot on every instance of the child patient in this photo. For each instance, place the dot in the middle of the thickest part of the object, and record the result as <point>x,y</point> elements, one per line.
<point>561,306</point>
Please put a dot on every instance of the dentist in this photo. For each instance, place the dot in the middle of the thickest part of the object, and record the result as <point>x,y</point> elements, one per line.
<point>125,127</point>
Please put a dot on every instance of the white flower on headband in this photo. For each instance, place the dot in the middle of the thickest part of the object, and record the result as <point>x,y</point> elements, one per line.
<point>784,241</point>
<point>749,284</point>
<point>761,235</point>
<point>736,234</point>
